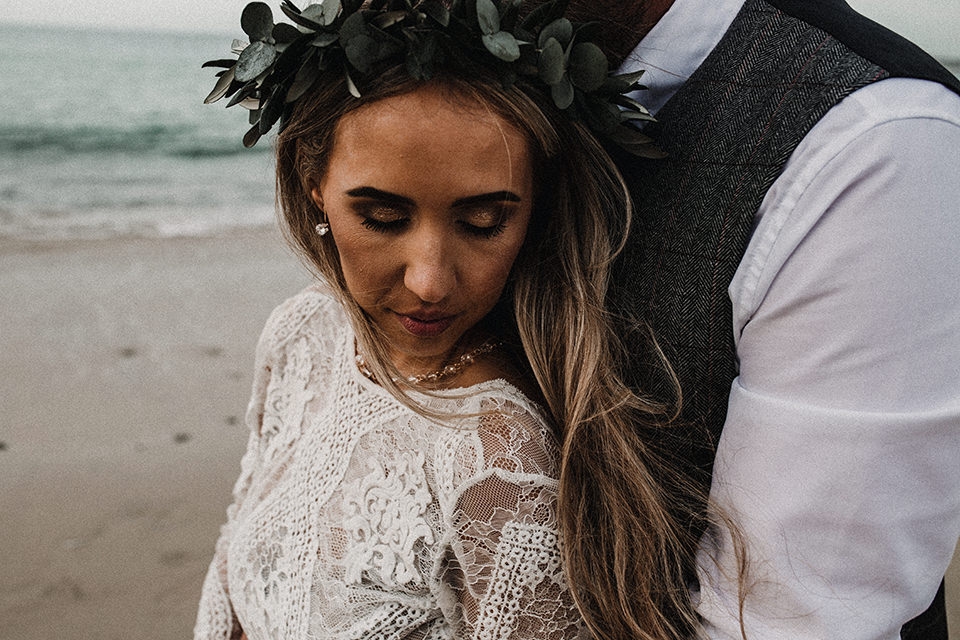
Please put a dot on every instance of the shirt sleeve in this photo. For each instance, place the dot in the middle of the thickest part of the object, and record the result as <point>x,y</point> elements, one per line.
<point>839,457</point>
<point>504,568</point>
<point>215,617</point>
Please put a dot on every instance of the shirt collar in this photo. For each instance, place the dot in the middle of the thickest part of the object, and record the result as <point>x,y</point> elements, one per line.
<point>677,45</point>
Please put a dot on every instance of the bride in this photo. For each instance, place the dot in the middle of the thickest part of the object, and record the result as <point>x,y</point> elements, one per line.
<point>440,443</point>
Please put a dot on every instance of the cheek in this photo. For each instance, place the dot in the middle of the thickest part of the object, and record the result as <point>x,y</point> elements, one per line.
<point>489,279</point>
<point>362,272</point>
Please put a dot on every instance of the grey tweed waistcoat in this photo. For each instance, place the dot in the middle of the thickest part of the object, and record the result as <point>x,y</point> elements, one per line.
<point>728,132</point>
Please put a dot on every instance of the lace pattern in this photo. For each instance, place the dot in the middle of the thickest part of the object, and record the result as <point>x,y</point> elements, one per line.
<point>525,554</point>
<point>354,517</point>
<point>386,519</point>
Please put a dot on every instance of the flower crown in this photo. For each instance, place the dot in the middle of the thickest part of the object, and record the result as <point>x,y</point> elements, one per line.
<point>282,61</point>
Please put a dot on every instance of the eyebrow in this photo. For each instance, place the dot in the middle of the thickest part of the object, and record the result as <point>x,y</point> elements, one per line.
<point>392,198</point>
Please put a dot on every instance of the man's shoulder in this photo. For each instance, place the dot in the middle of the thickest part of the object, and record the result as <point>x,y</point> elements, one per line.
<point>895,54</point>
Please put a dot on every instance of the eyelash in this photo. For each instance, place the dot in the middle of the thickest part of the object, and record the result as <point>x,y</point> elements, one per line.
<point>395,226</point>
<point>383,227</point>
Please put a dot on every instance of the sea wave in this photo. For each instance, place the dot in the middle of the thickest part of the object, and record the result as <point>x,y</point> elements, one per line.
<point>150,139</point>
<point>149,222</point>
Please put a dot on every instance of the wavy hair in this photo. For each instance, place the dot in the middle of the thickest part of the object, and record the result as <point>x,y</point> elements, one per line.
<point>627,544</point>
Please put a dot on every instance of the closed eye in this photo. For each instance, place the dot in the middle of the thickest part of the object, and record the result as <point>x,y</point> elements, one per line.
<point>385,226</point>
<point>483,232</point>
<point>484,222</point>
<point>486,215</point>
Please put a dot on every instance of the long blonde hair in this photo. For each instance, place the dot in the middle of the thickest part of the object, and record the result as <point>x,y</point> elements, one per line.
<point>627,544</point>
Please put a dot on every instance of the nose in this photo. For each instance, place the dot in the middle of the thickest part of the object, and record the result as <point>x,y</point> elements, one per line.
<point>430,272</point>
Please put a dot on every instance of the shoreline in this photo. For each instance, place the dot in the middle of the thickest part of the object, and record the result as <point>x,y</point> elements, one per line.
<point>127,368</point>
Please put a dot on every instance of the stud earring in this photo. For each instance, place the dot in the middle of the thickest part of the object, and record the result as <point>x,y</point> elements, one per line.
<point>324,227</point>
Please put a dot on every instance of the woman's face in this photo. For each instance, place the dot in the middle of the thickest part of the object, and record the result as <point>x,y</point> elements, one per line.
<point>428,201</point>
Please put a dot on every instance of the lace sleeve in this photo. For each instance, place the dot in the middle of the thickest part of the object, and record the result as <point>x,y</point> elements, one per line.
<point>215,617</point>
<point>505,570</point>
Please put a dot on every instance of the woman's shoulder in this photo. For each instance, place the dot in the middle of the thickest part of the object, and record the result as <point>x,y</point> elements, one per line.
<point>312,308</point>
<point>470,407</point>
<point>499,431</point>
<point>515,432</point>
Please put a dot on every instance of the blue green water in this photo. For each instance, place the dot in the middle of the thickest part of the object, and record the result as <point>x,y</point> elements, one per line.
<point>104,133</point>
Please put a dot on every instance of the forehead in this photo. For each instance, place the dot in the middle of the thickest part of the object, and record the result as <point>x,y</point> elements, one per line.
<point>430,127</point>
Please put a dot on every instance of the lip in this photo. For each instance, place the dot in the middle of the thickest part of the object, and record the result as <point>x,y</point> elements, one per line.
<point>425,325</point>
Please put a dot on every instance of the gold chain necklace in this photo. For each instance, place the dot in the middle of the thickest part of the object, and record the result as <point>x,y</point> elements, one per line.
<point>448,371</point>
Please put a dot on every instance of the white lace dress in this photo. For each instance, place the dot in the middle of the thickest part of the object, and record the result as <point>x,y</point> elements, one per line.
<point>354,517</point>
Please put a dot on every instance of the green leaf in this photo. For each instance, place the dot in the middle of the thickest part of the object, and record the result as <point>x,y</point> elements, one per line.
<point>323,13</point>
<point>353,26</point>
<point>351,85</point>
<point>420,56</point>
<point>601,116</point>
<point>223,63</point>
<point>304,79</point>
<point>629,103</point>
<point>257,21</point>
<point>387,19</point>
<point>436,10</point>
<point>271,111</point>
<point>550,67</point>
<point>510,15</point>
<point>622,83</point>
<point>635,136</point>
<point>636,143</point>
<point>387,48</point>
<point>324,39</point>
<point>502,45</point>
<point>561,29</point>
<point>588,66</point>
<point>220,89</point>
<point>304,24</point>
<point>640,117</point>
<point>562,93</point>
<point>251,137</point>
<point>545,12</point>
<point>489,18</point>
<point>284,33</point>
<point>362,51</point>
<point>254,60</point>
<point>292,58</point>
<point>245,92</point>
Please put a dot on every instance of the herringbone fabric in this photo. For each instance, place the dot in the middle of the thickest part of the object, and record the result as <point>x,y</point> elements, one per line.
<point>728,133</point>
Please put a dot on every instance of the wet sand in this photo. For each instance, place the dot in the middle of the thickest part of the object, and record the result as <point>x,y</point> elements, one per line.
<point>126,367</point>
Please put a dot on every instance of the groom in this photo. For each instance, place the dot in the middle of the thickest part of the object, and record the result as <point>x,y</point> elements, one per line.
<point>796,257</point>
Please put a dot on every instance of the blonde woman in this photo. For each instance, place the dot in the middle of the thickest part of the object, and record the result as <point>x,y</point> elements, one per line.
<point>441,445</point>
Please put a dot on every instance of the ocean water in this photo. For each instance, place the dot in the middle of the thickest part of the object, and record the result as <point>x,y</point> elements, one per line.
<point>104,133</point>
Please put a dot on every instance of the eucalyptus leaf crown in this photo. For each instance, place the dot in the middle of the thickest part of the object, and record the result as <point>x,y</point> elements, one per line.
<point>282,61</point>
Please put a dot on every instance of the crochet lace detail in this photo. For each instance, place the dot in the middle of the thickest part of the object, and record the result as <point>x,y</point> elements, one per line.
<point>354,517</point>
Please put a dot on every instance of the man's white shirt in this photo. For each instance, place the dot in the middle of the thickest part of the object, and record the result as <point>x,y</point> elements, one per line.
<point>840,456</point>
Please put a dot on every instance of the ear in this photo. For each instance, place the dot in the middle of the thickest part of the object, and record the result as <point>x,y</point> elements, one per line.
<point>316,197</point>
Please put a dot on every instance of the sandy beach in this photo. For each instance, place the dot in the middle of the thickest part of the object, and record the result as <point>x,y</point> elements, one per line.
<point>126,369</point>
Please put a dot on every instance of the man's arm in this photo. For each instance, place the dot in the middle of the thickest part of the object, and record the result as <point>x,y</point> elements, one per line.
<point>840,457</point>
